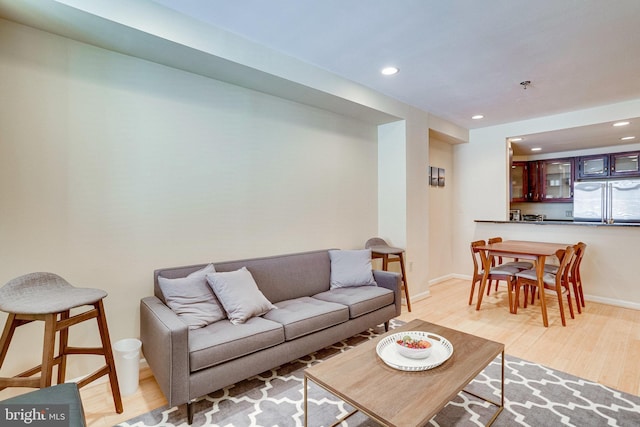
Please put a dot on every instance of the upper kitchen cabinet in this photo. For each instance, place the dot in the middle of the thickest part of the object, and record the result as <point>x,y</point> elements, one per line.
<point>625,164</point>
<point>519,186</point>
<point>542,181</point>
<point>593,166</point>
<point>556,180</point>
<point>609,165</point>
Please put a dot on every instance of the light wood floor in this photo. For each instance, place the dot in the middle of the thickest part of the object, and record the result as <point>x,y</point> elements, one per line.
<point>602,344</point>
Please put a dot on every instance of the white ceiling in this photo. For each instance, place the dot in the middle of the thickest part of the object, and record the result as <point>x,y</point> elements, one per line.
<point>457,58</point>
<point>585,137</point>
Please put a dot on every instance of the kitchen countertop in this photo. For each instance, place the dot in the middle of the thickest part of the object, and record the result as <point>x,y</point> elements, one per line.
<point>565,222</point>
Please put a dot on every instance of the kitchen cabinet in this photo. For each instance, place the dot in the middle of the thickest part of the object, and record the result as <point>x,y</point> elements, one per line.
<point>609,165</point>
<point>625,164</point>
<point>593,166</point>
<point>542,181</point>
<point>519,187</point>
<point>556,180</point>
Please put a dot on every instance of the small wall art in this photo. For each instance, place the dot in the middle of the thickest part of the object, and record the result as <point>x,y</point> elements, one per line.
<point>440,177</point>
<point>433,176</point>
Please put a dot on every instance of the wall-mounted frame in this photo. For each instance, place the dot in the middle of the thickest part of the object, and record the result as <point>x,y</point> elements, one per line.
<point>440,177</point>
<point>433,176</point>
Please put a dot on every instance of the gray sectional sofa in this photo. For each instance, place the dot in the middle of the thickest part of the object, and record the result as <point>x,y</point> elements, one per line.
<point>310,315</point>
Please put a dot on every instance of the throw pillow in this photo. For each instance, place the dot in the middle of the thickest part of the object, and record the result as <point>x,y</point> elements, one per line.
<point>191,298</point>
<point>351,268</point>
<point>239,295</point>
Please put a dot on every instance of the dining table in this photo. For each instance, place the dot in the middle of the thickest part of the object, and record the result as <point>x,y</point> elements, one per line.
<point>520,249</point>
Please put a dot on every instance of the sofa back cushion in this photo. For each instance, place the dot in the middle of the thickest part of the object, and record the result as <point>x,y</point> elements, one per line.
<point>284,277</point>
<point>279,277</point>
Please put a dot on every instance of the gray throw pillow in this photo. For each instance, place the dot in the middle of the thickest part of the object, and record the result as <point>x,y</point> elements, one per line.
<point>239,295</point>
<point>191,298</point>
<point>351,268</point>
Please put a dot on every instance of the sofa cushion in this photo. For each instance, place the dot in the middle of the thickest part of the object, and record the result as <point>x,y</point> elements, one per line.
<point>283,277</point>
<point>192,299</point>
<point>239,295</point>
<point>360,300</point>
<point>303,316</point>
<point>222,341</point>
<point>351,268</point>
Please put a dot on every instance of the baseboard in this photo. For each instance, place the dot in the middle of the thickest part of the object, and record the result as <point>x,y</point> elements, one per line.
<point>448,277</point>
<point>417,297</point>
<point>614,302</point>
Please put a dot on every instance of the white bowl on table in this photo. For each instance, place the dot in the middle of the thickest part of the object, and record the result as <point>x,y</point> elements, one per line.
<point>414,353</point>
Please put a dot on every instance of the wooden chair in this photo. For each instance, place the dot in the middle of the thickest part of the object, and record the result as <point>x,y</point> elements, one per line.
<point>521,265</point>
<point>574,275</point>
<point>380,249</point>
<point>49,298</point>
<point>551,267</point>
<point>557,282</point>
<point>498,272</point>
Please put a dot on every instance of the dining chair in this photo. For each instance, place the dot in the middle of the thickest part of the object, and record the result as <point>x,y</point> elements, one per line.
<point>559,283</point>
<point>551,268</point>
<point>498,272</point>
<point>574,275</point>
<point>520,265</point>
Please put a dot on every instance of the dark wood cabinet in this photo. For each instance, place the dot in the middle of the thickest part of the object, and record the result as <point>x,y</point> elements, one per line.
<point>519,180</point>
<point>609,165</point>
<point>593,166</point>
<point>533,182</point>
<point>542,181</point>
<point>624,164</point>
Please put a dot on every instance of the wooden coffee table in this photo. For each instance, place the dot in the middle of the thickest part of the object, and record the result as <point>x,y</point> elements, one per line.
<point>394,397</point>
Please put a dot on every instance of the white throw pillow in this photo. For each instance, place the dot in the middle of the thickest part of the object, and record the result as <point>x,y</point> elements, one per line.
<point>239,295</point>
<point>191,298</point>
<point>351,268</point>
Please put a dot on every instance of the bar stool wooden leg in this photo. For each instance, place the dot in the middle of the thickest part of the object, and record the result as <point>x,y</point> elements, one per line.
<point>62,348</point>
<point>404,282</point>
<point>48,349</point>
<point>7,334</point>
<point>108,355</point>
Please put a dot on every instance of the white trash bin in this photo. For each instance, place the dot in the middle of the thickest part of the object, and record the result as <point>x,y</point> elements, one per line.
<point>126,353</point>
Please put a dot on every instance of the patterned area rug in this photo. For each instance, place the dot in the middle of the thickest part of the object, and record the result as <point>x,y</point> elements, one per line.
<point>534,396</point>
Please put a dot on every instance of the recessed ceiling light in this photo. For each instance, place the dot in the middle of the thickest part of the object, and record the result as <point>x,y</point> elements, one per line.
<point>536,149</point>
<point>627,138</point>
<point>517,139</point>
<point>621,124</point>
<point>389,71</point>
<point>477,117</point>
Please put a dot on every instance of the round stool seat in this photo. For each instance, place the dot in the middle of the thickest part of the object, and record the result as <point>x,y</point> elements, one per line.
<point>389,250</point>
<point>380,249</point>
<point>44,293</point>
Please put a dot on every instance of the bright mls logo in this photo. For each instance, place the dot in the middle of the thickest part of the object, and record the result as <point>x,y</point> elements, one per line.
<point>34,415</point>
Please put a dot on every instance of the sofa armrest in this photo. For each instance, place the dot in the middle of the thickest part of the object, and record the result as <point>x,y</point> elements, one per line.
<point>165,344</point>
<point>393,281</point>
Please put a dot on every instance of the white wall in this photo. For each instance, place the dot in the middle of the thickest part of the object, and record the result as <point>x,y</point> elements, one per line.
<point>112,166</point>
<point>441,212</point>
<point>481,173</point>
